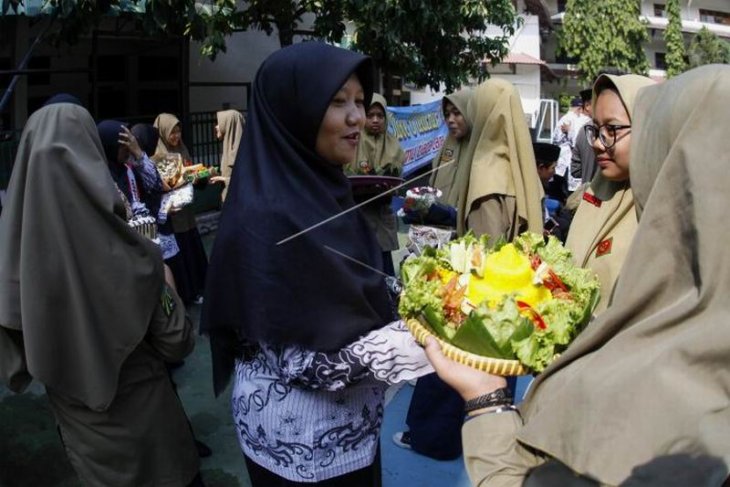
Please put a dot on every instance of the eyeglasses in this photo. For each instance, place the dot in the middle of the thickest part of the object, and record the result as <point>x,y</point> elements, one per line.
<point>606,133</point>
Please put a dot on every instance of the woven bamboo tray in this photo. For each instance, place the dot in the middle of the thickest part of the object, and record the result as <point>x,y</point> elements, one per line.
<point>494,366</point>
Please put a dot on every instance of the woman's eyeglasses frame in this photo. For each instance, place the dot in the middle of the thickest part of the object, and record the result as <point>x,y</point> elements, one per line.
<point>593,133</point>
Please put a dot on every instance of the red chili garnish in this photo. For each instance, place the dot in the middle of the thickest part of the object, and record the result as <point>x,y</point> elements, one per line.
<point>534,316</point>
<point>553,282</point>
<point>535,261</point>
<point>451,296</point>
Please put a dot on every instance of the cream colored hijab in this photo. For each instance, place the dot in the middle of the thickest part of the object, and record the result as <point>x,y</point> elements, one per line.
<point>500,154</point>
<point>648,380</point>
<point>379,151</point>
<point>627,86</point>
<point>615,217</point>
<point>78,286</point>
<point>453,180</point>
<point>164,123</point>
<point>230,125</point>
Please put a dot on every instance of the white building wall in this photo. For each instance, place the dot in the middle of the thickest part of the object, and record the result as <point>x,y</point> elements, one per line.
<point>246,51</point>
<point>526,78</point>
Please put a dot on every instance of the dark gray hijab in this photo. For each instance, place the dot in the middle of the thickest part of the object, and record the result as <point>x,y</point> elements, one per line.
<point>77,285</point>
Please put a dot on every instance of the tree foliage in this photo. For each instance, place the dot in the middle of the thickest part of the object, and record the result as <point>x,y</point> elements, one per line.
<point>708,48</point>
<point>426,41</point>
<point>434,41</point>
<point>676,63</point>
<point>208,23</point>
<point>606,33</point>
<point>286,17</point>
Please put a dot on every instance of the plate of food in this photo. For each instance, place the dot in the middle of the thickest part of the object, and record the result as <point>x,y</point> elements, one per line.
<point>198,172</point>
<point>170,167</point>
<point>506,309</point>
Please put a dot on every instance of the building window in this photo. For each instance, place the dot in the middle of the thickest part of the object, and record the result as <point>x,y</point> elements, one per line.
<point>112,69</point>
<point>660,10</point>
<point>714,17</point>
<point>660,60</point>
<point>152,101</point>
<point>39,79</point>
<point>158,68</point>
<point>561,5</point>
<point>5,78</point>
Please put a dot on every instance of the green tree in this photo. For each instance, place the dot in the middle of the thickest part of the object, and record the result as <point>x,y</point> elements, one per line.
<point>605,33</point>
<point>676,54</point>
<point>286,16</point>
<point>434,41</point>
<point>208,23</point>
<point>708,48</point>
<point>425,41</point>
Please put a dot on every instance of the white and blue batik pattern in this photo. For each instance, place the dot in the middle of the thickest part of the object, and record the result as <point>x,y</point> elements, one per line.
<point>309,416</point>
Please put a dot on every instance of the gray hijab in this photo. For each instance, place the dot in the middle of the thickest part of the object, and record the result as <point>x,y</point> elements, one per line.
<point>77,285</point>
<point>649,379</point>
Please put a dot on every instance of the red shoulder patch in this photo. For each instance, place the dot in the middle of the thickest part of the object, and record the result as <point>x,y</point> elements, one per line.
<point>604,247</point>
<point>592,199</point>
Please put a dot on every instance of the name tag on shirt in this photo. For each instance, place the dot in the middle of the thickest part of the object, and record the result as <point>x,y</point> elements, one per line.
<point>592,199</point>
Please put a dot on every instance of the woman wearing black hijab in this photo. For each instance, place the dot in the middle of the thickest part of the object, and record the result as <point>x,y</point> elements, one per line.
<point>308,392</point>
<point>130,167</point>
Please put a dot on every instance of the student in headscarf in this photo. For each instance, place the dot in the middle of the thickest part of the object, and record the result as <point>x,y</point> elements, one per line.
<point>293,304</point>
<point>605,221</point>
<point>379,153</point>
<point>132,170</point>
<point>190,273</point>
<point>497,191</point>
<point>147,138</point>
<point>229,129</point>
<point>503,193</point>
<point>640,397</point>
<point>63,98</point>
<point>451,172</point>
<point>86,311</point>
<point>447,179</point>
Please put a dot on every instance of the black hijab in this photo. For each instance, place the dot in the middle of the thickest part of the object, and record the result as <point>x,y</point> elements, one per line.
<point>147,137</point>
<point>297,292</point>
<point>63,98</point>
<point>109,135</point>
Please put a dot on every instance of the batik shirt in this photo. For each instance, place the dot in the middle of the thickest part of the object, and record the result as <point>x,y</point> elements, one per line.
<point>309,416</point>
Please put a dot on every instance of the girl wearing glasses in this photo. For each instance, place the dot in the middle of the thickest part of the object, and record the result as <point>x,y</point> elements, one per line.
<point>605,221</point>
<point>640,397</point>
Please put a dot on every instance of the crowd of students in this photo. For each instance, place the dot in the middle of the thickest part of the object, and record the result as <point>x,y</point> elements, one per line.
<point>304,328</point>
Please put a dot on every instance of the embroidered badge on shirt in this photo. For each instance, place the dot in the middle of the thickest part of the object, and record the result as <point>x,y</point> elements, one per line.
<point>604,247</point>
<point>168,304</point>
<point>448,155</point>
<point>592,199</point>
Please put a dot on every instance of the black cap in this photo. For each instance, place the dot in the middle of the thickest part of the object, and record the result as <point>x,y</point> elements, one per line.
<point>586,95</point>
<point>545,153</point>
<point>576,102</point>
